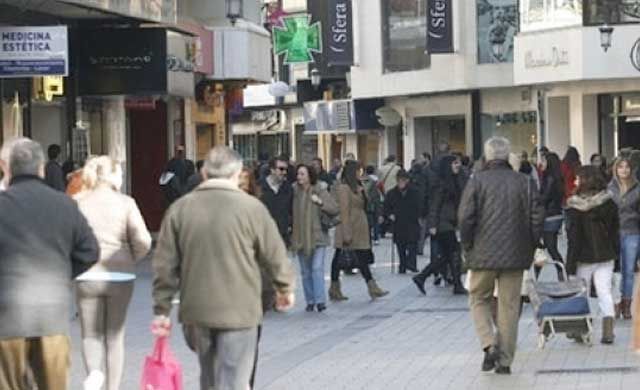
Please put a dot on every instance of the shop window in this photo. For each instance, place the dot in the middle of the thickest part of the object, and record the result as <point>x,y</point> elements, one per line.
<point>273,144</point>
<point>497,25</point>
<point>520,128</point>
<point>597,12</point>
<point>404,29</point>
<point>245,144</point>
<point>546,14</point>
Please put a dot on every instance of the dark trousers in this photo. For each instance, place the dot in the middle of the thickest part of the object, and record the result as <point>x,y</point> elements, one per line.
<point>374,227</point>
<point>362,264</point>
<point>449,250</point>
<point>407,252</point>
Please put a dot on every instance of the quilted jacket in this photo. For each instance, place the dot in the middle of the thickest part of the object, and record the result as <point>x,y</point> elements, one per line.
<point>500,219</point>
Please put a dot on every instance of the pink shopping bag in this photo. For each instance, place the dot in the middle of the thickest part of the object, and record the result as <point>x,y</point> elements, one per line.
<point>161,369</point>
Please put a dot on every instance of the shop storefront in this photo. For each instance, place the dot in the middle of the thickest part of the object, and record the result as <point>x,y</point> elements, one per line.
<point>33,63</point>
<point>137,81</point>
<point>345,126</point>
<point>587,93</point>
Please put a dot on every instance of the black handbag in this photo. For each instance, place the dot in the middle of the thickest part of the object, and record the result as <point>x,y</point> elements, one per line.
<point>347,259</point>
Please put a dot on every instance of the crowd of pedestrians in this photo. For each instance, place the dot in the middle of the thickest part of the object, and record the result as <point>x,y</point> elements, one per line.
<point>222,247</point>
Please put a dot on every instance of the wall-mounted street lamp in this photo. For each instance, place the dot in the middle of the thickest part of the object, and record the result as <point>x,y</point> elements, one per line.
<point>606,32</point>
<point>316,78</point>
<point>234,10</point>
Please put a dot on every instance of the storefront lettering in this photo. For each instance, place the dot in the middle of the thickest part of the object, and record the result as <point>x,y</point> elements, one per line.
<point>339,30</point>
<point>557,58</point>
<point>25,41</point>
<point>438,14</point>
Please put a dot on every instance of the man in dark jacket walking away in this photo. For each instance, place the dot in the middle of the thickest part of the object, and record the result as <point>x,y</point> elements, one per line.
<point>277,195</point>
<point>402,206</point>
<point>500,219</point>
<point>53,174</point>
<point>44,241</point>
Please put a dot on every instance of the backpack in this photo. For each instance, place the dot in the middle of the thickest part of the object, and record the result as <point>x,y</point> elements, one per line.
<point>170,186</point>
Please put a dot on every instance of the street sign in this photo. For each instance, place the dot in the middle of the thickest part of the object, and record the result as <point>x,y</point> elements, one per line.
<point>33,51</point>
<point>297,39</point>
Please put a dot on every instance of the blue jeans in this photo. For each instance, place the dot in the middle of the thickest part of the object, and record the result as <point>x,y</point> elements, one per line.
<point>629,244</point>
<point>312,269</point>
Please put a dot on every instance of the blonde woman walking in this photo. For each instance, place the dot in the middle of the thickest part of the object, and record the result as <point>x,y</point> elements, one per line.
<point>104,292</point>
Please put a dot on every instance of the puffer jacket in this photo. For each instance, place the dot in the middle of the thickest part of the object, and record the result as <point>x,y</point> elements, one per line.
<point>628,206</point>
<point>592,230</point>
<point>500,219</point>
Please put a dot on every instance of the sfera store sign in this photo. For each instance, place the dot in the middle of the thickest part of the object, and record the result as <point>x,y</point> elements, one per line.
<point>439,25</point>
<point>33,51</point>
<point>340,39</point>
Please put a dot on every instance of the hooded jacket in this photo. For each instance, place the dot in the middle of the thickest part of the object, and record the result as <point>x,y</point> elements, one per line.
<point>593,226</point>
<point>628,206</point>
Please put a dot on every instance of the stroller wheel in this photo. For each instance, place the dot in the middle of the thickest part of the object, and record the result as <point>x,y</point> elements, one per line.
<point>542,340</point>
<point>586,338</point>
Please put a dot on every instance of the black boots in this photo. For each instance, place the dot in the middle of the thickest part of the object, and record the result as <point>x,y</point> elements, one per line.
<point>491,357</point>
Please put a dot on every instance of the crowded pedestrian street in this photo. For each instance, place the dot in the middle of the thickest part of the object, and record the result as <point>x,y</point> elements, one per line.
<point>319,194</point>
<point>403,341</point>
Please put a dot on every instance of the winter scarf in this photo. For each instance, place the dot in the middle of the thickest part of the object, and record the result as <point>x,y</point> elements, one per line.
<point>304,211</point>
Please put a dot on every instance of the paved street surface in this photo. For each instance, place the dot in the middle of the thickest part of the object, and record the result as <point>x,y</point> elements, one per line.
<point>403,341</point>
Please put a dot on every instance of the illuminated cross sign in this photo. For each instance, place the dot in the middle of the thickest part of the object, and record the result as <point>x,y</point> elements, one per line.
<point>297,39</point>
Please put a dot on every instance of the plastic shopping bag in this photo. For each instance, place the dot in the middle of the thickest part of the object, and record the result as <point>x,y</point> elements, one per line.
<point>161,369</point>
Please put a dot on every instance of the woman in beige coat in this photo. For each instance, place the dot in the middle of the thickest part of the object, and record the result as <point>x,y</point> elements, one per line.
<point>310,237</point>
<point>104,292</point>
<point>352,233</point>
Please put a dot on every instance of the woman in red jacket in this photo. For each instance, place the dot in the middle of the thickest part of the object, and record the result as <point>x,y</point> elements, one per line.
<point>569,167</point>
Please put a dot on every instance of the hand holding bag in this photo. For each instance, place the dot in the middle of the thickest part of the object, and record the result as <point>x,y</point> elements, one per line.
<point>161,369</point>
<point>347,260</point>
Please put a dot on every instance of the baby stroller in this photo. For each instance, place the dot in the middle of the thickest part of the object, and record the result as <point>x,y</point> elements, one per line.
<point>560,307</point>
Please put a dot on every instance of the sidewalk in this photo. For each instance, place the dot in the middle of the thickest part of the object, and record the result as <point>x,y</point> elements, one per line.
<point>403,341</point>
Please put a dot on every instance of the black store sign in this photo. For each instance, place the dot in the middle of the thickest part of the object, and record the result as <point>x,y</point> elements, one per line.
<point>339,48</point>
<point>440,27</point>
<point>123,62</point>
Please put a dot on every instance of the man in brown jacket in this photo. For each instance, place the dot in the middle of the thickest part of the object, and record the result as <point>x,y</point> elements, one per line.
<point>211,247</point>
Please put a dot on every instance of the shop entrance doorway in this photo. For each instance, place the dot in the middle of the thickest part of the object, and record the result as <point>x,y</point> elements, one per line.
<point>429,131</point>
<point>149,146</point>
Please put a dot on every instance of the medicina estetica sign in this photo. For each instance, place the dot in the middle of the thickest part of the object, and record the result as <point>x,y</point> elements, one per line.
<point>33,51</point>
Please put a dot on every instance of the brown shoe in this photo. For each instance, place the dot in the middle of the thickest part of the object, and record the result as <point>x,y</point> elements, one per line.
<point>617,310</point>
<point>335,294</point>
<point>375,291</point>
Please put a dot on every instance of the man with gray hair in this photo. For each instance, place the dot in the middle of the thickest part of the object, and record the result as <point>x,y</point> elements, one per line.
<point>500,219</point>
<point>211,247</point>
<point>45,241</point>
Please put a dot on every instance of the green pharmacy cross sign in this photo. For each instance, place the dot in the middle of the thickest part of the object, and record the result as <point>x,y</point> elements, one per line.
<point>297,39</point>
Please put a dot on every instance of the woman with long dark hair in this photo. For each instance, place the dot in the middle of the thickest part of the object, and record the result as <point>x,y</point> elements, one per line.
<point>310,237</point>
<point>552,189</point>
<point>352,234</point>
<point>593,240</point>
<point>443,220</point>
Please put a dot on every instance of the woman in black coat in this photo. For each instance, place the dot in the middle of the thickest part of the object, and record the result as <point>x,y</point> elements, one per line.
<point>551,193</point>
<point>594,244</point>
<point>443,222</point>
<point>402,205</point>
